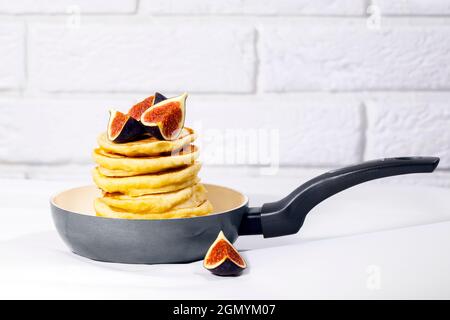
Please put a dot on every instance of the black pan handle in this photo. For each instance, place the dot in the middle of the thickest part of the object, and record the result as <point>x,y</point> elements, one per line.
<point>286,216</point>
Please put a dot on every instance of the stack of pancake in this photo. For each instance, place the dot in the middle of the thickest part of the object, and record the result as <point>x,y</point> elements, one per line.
<point>149,179</point>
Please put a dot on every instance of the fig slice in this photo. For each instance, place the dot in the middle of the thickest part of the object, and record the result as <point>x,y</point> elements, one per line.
<point>165,120</point>
<point>123,128</point>
<point>139,108</point>
<point>223,259</point>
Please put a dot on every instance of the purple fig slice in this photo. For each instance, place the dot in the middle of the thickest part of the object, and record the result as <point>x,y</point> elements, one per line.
<point>223,259</point>
<point>165,120</point>
<point>123,128</point>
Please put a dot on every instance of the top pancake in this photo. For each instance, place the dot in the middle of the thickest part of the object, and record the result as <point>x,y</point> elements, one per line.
<point>147,147</point>
<point>118,166</point>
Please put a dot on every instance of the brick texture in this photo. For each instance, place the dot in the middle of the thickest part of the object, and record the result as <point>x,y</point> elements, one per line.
<point>258,7</point>
<point>413,7</point>
<point>307,85</point>
<point>12,56</point>
<point>130,57</point>
<point>409,127</point>
<point>294,133</point>
<point>291,130</point>
<point>67,6</point>
<point>52,131</point>
<point>354,58</point>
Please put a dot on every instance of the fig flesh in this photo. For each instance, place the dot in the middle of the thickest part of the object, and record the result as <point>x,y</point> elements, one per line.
<point>223,259</point>
<point>123,128</point>
<point>165,120</point>
<point>139,108</point>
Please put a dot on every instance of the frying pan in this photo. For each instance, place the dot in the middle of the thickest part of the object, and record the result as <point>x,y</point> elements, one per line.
<point>188,239</point>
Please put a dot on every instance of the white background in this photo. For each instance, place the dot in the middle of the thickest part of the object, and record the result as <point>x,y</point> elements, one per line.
<point>339,81</point>
<point>334,81</point>
<point>369,242</point>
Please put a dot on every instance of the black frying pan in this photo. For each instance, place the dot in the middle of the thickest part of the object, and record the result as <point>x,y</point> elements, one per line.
<point>188,239</point>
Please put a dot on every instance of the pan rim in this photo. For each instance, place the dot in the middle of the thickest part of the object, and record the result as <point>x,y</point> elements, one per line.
<point>244,204</point>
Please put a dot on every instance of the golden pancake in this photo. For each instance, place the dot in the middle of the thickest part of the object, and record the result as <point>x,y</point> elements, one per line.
<point>197,199</point>
<point>147,147</point>
<point>157,203</point>
<point>109,163</point>
<point>117,173</point>
<point>168,188</point>
<point>103,210</point>
<point>148,181</point>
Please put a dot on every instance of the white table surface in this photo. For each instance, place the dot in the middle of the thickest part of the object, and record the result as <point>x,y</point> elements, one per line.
<point>371,241</point>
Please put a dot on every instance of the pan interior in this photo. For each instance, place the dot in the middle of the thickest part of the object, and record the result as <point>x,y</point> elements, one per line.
<point>81,200</point>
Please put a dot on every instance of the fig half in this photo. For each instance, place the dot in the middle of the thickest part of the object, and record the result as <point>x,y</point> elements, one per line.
<point>123,128</point>
<point>165,120</point>
<point>223,259</point>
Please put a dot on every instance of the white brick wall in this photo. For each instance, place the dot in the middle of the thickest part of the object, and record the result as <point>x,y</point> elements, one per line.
<point>66,6</point>
<point>412,126</point>
<point>335,57</point>
<point>327,132</point>
<point>338,82</point>
<point>124,57</point>
<point>12,55</point>
<point>413,7</point>
<point>258,7</point>
<point>68,129</point>
<point>56,131</point>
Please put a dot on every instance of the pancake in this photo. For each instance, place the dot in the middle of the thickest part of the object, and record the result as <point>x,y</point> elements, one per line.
<point>103,210</point>
<point>149,178</point>
<point>197,199</point>
<point>168,188</point>
<point>157,203</point>
<point>117,173</point>
<point>117,165</point>
<point>148,181</point>
<point>146,147</point>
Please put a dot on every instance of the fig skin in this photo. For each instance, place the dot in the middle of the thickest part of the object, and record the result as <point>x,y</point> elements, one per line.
<point>227,269</point>
<point>132,129</point>
<point>158,98</point>
<point>222,259</point>
<point>154,131</point>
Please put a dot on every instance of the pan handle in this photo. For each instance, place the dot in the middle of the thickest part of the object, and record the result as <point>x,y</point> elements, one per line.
<point>286,216</point>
